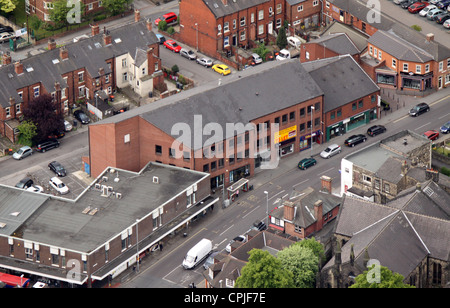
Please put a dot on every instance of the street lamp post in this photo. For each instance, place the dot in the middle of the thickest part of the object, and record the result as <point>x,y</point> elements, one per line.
<point>137,246</point>
<point>267,206</point>
<point>312,108</point>
<point>196,34</point>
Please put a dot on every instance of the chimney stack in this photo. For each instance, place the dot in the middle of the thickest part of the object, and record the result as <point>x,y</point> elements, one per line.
<point>326,183</point>
<point>95,29</point>
<point>63,53</point>
<point>289,210</point>
<point>430,37</point>
<point>107,38</point>
<point>149,24</point>
<point>137,15</point>
<point>318,213</point>
<point>12,101</point>
<point>51,44</point>
<point>6,59</point>
<point>225,2</point>
<point>18,67</point>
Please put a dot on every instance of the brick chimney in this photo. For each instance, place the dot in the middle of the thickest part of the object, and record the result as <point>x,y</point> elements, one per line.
<point>63,53</point>
<point>225,2</point>
<point>326,183</point>
<point>12,101</point>
<point>137,15</point>
<point>318,213</point>
<point>149,24</point>
<point>6,59</point>
<point>18,67</point>
<point>107,38</point>
<point>51,44</point>
<point>430,37</point>
<point>289,210</point>
<point>95,29</point>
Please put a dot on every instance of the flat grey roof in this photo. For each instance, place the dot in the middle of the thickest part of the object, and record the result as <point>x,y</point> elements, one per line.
<point>371,157</point>
<point>68,224</point>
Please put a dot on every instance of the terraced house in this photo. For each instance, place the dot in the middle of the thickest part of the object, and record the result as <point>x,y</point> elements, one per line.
<point>79,71</point>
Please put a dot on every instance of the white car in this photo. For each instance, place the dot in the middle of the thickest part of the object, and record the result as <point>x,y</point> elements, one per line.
<point>425,10</point>
<point>35,188</point>
<point>331,150</point>
<point>67,126</point>
<point>188,54</point>
<point>283,55</point>
<point>5,36</point>
<point>294,42</point>
<point>57,184</point>
<point>446,23</point>
<point>240,238</point>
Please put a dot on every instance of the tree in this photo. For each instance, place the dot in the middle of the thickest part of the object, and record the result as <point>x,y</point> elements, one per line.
<point>302,262</point>
<point>281,38</point>
<point>59,13</point>
<point>7,6</point>
<point>264,271</point>
<point>262,50</point>
<point>387,279</point>
<point>116,7</point>
<point>315,246</point>
<point>41,111</point>
<point>27,131</point>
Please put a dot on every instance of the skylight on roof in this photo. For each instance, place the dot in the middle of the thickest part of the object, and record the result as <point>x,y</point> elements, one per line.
<point>55,61</point>
<point>117,40</point>
<point>98,45</point>
<point>29,69</point>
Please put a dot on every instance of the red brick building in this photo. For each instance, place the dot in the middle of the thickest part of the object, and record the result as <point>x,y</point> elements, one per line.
<point>43,8</point>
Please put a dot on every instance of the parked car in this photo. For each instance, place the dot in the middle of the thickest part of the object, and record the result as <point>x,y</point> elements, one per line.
<point>168,17</point>
<point>330,151</point>
<point>57,135</point>
<point>431,134</point>
<point>407,4</point>
<point>256,58</point>
<point>441,18</point>
<point>417,7</point>
<point>428,8</point>
<point>433,13</point>
<point>67,126</point>
<point>240,238</point>
<point>161,38</point>
<point>419,109</point>
<point>305,163</point>
<point>35,188</point>
<point>172,45</point>
<point>58,185</point>
<point>259,225</point>
<point>283,55</point>
<point>221,69</point>
<point>4,28</point>
<point>188,53</point>
<point>23,152</point>
<point>210,260</point>
<point>197,253</point>
<point>46,145</point>
<point>446,24</point>
<point>293,41</point>
<point>81,116</point>
<point>443,4</point>
<point>204,61</point>
<point>57,168</point>
<point>354,140</point>
<point>5,36</point>
<point>445,128</point>
<point>399,1</point>
<point>375,130</point>
<point>24,183</point>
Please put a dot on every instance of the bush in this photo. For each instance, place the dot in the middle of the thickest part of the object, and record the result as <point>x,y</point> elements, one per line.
<point>445,171</point>
<point>171,30</point>
<point>162,25</point>
<point>417,28</point>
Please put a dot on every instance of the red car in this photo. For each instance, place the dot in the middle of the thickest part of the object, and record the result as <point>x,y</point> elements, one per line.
<point>417,7</point>
<point>172,45</point>
<point>431,134</point>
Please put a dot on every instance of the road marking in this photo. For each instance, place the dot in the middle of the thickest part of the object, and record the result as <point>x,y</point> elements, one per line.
<point>277,194</point>
<point>404,117</point>
<point>326,171</point>
<point>249,213</point>
<point>422,126</point>
<point>300,183</point>
<point>446,115</point>
<point>438,101</point>
<point>226,230</point>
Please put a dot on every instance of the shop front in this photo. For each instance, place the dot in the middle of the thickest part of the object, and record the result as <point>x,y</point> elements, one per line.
<point>239,173</point>
<point>412,81</point>
<point>285,139</point>
<point>335,130</point>
<point>307,140</point>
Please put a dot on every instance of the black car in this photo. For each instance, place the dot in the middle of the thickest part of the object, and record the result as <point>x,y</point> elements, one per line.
<point>259,225</point>
<point>4,28</point>
<point>82,117</point>
<point>375,130</point>
<point>441,18</point>
<point>407,3</point>
<point>47,145</point>
<point>419,109</point>
<point>354,140</point>
<point>57,168</point>
<point>24,183</point>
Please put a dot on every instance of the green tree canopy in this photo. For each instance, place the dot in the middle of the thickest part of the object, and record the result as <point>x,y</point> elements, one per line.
<point>315,246</point>
<point>27,131</point>
<point>264,271</point>
<point>115,7</point>
<point>281,38</point>
<point>387,279</point>
<point>302,262</point>
<point>7,6</point>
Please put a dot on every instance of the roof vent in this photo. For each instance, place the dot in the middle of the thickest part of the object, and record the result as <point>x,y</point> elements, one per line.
<point>155,180</point>
<point>2,225</point>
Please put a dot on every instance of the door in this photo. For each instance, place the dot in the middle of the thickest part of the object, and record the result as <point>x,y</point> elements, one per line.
<point>440,82</point>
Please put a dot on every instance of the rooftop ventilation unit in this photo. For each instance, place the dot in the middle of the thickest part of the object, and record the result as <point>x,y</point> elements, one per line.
<point>155,180</point>
<point>105,179</point>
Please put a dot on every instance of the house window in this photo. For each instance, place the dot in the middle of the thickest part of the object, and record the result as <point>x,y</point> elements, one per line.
<point>332,115</point>
<point>370,49</point>
<point>394,63</point>
<point>143,71</point>
<point>17,108</point>
<point>448,63</point>
<point>280,7</point>
<point>158,149</point>
<point>307,55</point>
<point>107,78</point>
<point>125,76</point>
<point>354,106</point>
<point>405,67</point>
<point>339,113</point>
<point>299,8</point>
<point>278,23</point>
<point>360,104</point>
<point>80,76</point>
<point>20,95</point>
<point>441,65</point>
<point>90,7</point>
<point>367,179</point>
<point>261,14</point>
<point>252,17</point>
<point>8,112</point>
<point>243,35</point>
<point>270,11</point>
<point>226,26</point>
<point>81,91</point>
<point>36,91</point>
<point>219,29</point>
<point>234,23</point>
<point>124,62</point>
<point>387,188</point>
<point>242,23</point>
<point>418,69</point>
<point>315,3</point>
<point>226,41</point>
<point>377,184</point>
<point>379,54</point>
<point>427,68</point>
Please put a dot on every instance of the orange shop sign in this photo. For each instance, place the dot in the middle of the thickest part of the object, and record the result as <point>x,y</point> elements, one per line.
<point>285,134</point>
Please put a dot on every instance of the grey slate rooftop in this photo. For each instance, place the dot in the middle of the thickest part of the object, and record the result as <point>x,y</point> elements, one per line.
<point>219,9</point>
<point>338,42</point>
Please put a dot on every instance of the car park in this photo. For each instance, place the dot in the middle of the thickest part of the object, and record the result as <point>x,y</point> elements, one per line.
<point>431,134</point>
<point>46,145</point>
<point>168,18</point>
<point>5,36</point>
<point>256,58</point>
<point>306,163</point>
<point>81,116</point>
<point>445,129</point>
<point>428,8</point>
<point>433,13</point>
<point>57,168</point>
<point>172,45</point>
<point>58,185</point>
<point>375,130</point>
<point>419,109</point>
<point>204,61</point>
<point>23,152</point>
<point>35,188</point>
<point>330,151</point>
<point>161,38</point>
<point>441,18</point>
<point>24,183</point>
<point>221,69</point>
<point>240,238</point>
<point>417,7</point>
<point>354,140</point>
<point>67,126</point>
<point>188,54</point>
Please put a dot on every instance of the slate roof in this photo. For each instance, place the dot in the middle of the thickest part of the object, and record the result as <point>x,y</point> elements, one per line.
<point>90,53</point>
<point>358,38</point>
<point>219,9</point>
<point>339,43</point>
<point>401,233</point>
<point>330,75</point>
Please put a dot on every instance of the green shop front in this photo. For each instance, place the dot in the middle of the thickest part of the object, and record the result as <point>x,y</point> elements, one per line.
<point>340,128</point>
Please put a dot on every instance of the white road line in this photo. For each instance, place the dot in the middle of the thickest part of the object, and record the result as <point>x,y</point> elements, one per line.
<point>300,183</point>
<point>249,213</point>
<point>277,194</point>
<point>226,230</point>
<point>422,126</point>
<point>444,116</point>
<point>326,171</point>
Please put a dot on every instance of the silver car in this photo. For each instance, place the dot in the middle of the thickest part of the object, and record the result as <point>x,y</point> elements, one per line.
<point>23,152</point>
<point>331,150</point>
<point>187,53</point>
<point>204,61</point>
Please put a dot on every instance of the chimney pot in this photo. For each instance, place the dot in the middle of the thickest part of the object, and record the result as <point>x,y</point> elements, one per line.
<point>326,183</point>
<point>6,59</point>
<point>137,15</point>
<point>18,67</point>
<point>149,24</point>
<point>430,37</point>
<point>107,38</point>
<point>51,44</point>
<point>289,210</point>
<point>95,29</point>
<point>63,53</point>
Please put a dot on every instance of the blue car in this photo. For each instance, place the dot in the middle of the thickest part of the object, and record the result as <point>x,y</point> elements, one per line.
<point>161,38</point>
<point>445,129</point>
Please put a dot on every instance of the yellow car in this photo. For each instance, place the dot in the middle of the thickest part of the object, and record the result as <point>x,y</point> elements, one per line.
<point>221,69</point>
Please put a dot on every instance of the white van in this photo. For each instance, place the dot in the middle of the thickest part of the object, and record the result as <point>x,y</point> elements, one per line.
<point>197,253</point>
<point>294,42</point>
<point>256,58</point>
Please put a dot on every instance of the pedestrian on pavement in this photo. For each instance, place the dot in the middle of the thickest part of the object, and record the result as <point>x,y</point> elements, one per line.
<point>160,246</point>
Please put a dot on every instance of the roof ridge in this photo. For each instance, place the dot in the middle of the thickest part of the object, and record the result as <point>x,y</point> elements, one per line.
<point>417,234</point>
